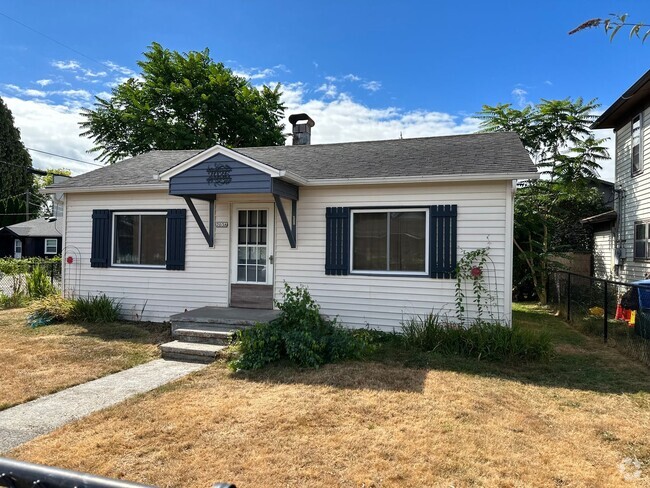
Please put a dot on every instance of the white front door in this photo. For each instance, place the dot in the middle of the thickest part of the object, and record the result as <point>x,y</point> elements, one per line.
<point>252,244</point>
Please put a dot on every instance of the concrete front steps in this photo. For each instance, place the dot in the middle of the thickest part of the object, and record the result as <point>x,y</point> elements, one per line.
<point>201,335</point>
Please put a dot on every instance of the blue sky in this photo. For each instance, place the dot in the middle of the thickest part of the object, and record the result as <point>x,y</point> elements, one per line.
<point>362,70</point>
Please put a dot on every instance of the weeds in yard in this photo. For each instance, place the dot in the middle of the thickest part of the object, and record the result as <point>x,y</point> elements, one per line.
<point>482,340</point>
<point>39,284</point>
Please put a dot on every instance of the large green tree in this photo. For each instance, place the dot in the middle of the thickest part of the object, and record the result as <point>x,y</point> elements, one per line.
<point>16,179</point>
<point>548,210</point>
<point>183,101</point>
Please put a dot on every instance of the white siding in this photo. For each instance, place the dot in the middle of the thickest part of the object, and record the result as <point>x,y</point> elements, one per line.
<point>635,200</point>
<point>377,301</point>
<point>382,301</point>
<point>604,254</point>
<point>160,292</point>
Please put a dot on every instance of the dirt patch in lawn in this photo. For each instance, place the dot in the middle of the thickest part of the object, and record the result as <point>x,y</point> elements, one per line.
<point>39,361</point>
<point>580,419</point>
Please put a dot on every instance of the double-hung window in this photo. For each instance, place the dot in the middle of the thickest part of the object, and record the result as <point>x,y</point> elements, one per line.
<point>51,246</point>
<point>641,238</point>
<point>139,239</point>
<point>637,144</point>
<point>390,241</point>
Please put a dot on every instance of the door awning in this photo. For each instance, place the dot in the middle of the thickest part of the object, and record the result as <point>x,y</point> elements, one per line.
<point>223,172</point>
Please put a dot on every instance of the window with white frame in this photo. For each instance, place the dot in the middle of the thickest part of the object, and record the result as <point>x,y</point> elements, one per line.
<point>51,246</point>
<point>637,144</point>
<point>390,241</point>
<point>139,239</point>
<point>18,247</point>
<point>641,238</point>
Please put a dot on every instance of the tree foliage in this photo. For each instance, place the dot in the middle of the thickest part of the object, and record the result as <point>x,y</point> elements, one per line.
<point>15,164</point>
<point>613,24</point>
<point>183,101</point>
<point>548,210</point>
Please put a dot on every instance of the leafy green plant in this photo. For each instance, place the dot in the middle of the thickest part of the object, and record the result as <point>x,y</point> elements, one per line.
<point>481,340</point>
<point>471,268</point>
<point>48,310</point>
<point>39,284</point>
<point>300,334</point>
<point>99,308</point>
<point>15,300</point>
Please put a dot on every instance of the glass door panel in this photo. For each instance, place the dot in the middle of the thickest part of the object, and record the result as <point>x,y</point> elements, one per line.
<point>252,246</point>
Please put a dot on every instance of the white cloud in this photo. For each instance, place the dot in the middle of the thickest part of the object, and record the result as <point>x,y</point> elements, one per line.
<point>351,77</point>
<point>372,86</point>
<point>44,82</point>
<point>66,65</point>
<point>345,119</point>
<point>331,79</point>
<point>520,96</point>
<point>75,94</point>
<point>608,172</point>
<point>120,69</point>
<point>51,128</point>
<point>26,92</point>
<point>328,89</point>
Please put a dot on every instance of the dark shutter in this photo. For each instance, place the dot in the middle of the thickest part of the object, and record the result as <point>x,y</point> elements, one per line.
<point>100,249</point>
<point>442,241</point>
<point>176,239</point>
<point>337,241</point>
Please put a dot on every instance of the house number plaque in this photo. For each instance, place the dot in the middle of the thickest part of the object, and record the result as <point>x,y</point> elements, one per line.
<point>221,224</point>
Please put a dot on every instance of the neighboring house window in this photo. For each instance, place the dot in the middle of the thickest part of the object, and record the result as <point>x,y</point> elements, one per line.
<point>18,248</point>
<point>641,237</point>
<point>390,241</point>
<point>637,141</point>
<point>51,246</point>
<point>139,239</point>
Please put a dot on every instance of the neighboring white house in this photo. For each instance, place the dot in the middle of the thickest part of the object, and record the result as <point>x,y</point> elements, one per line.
<point>621,249</point>
<point>373,229</point>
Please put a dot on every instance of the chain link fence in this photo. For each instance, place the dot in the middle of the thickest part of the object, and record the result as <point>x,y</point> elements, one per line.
<point>14,274</point>
<point>618,312</point>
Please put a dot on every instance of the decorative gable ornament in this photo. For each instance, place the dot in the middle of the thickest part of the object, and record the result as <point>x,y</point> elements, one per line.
<point>219,174</point>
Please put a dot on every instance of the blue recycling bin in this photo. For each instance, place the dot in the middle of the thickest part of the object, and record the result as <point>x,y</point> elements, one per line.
<point>642,322</point>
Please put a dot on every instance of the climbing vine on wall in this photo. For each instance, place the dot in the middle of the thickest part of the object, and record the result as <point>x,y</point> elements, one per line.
<point>471,269</point>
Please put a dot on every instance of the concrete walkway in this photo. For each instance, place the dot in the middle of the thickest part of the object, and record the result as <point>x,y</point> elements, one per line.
<point>24,422</point>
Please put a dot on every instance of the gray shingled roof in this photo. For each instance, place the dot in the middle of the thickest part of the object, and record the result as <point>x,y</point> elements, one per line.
<point>35,228</point>
<point>493,153</point>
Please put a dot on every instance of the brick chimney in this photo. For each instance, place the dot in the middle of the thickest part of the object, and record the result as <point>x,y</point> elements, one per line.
<point>302,125</point>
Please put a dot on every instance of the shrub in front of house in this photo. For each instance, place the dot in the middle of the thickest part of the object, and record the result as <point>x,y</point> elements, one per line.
<point>481,340</point>
<point>98,308</point>
<point>49,310</point>
<point>56,309</point>
<point>300,335</point>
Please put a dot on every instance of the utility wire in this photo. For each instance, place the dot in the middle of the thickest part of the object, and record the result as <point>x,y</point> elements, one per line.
<point>63,157</point>
<point>52,39</point>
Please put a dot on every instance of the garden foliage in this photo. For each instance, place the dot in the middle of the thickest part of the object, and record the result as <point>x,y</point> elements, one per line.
<point>481,340</point>
<point>300,335</point>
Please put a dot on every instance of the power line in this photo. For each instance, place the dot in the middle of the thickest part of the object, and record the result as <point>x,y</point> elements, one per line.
<point>64,157</point>
<point>52,39</point>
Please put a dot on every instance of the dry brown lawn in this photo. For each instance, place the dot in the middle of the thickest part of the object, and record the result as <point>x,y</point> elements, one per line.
<point>39,361</point>
<point>580,419</point>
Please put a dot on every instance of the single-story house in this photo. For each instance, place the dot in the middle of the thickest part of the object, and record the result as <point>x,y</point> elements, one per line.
<point>373,229</point>
<point>34,238</point>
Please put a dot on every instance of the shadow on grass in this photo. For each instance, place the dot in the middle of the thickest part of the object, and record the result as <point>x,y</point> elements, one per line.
<point>141,333</point>
<point>135,332</point>
<point>579,363</point>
